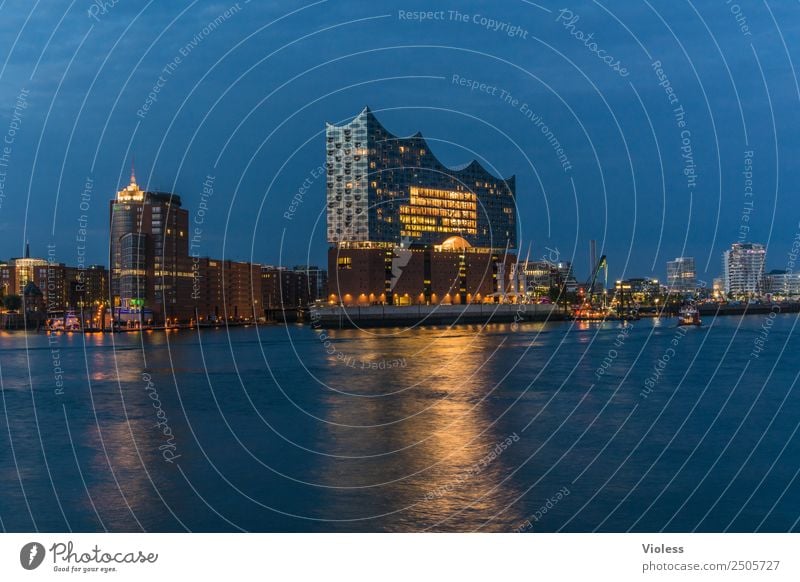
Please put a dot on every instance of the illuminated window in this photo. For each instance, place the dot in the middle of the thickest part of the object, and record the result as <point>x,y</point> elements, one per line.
<point>441,211</point>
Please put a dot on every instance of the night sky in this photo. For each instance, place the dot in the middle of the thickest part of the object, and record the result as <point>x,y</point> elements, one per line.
<point>241,92</point>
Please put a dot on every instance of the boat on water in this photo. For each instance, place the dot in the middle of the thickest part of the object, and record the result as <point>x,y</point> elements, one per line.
<point>586,313</point>
<point>628,315</point>
<point>68,322</point>
<point>689,315</point>
<point>592,313</point>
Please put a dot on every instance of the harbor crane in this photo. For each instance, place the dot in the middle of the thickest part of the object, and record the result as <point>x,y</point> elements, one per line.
<point>601,264</point>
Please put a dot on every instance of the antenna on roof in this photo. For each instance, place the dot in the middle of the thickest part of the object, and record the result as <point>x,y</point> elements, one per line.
<point>133,169</point>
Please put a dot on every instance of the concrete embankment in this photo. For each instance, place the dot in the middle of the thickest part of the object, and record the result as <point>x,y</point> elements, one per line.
<point>392,316</point>
<point>751,309</point>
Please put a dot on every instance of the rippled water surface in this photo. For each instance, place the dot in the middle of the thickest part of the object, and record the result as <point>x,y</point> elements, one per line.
<point>550,427</point>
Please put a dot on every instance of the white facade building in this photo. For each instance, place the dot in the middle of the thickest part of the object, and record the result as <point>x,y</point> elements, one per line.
<point>743,268</point>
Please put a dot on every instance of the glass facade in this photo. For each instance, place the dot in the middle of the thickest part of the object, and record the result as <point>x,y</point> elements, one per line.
<point>385,189</point>
<point>782,283</point>
<point>681,275</point>
<point>126,217</point>
<point>439,211</point>
<point>133,274</point>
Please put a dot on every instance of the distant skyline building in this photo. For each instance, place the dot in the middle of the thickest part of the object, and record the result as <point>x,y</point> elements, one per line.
<point>24,269</point>
<point>718,288</point>
<point>300,286</point>
<point>644,289</point>
<point>226,290</point>
<point>314,281</point>
<point>539,277</point>
<point>18,272</point>
<point>594,267</point>
<point>681,275</point>
<point>743,268</point>
<point>406,229</point>
<point>62,287</point>
<point>567,276</point>
<point>782,283</point>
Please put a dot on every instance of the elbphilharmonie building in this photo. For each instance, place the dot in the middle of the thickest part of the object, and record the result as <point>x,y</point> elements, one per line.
<point>382,188</point>
<point>407,229</point>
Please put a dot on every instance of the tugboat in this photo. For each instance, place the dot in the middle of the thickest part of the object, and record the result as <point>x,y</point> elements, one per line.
<point>689,316</point>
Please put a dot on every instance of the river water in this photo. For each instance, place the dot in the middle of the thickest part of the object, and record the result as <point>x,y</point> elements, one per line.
<point>548,427</point>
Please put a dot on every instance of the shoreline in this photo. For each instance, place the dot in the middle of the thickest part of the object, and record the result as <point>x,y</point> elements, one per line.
<point>413,316</point>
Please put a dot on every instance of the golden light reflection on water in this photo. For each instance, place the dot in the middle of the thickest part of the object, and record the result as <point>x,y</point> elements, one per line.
<point>427,448</point>
<point>125,442</point>
<point>128,486</point>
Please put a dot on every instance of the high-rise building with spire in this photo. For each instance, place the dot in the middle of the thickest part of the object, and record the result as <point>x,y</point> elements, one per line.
<point>149,266</point>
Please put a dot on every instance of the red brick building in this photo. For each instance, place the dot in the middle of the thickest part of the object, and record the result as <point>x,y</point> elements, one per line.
<point>226,290</point>
<point>451,273</point>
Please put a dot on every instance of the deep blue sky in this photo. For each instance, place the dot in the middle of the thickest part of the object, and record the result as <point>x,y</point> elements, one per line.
<point>248,103</point>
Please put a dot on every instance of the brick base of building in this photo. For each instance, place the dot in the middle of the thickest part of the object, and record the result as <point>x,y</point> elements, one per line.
<point>421,275</point>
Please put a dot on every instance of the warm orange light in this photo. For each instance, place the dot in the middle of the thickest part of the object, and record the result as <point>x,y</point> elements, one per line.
<point>436,210</point>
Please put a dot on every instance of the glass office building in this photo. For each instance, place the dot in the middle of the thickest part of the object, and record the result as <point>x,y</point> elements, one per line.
<point>382,188</point>
<point>681,275</point>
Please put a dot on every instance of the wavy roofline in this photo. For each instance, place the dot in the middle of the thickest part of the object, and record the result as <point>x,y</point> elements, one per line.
<point>458,169</point>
